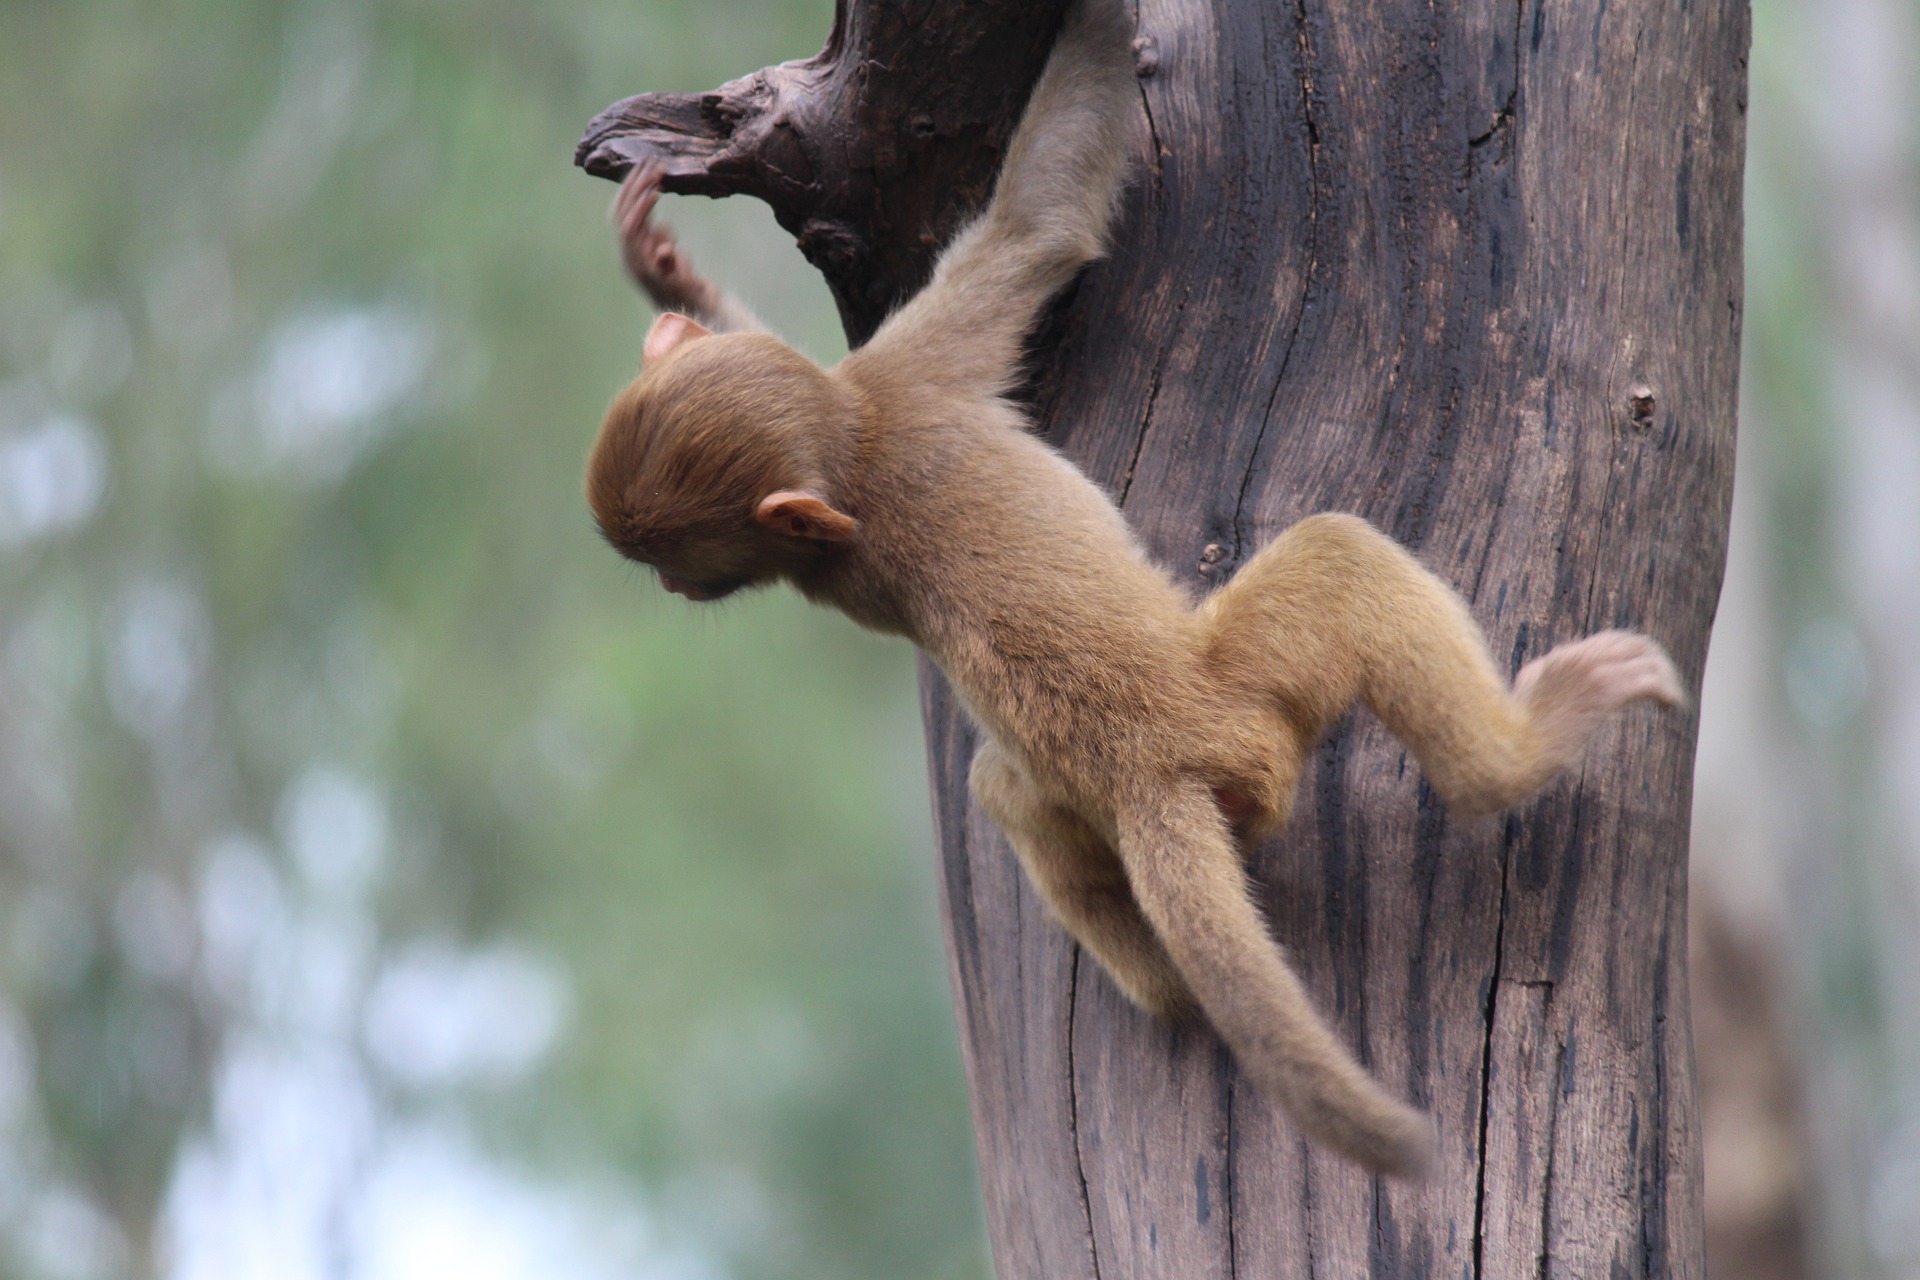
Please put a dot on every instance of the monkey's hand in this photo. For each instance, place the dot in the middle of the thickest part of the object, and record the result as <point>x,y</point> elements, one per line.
<point>654,259</point>
<point>660,266</point>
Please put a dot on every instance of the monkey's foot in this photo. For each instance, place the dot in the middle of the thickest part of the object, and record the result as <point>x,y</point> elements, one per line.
<point>1570,690</point>
<point>1607,670</point>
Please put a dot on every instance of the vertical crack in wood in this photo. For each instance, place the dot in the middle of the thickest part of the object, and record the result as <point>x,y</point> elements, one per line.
<point>1153,127</point>
<point>1153,139</point>
<point>1160,363</point>
<point>1226,1181</point>
<point>1653,1185</point>
<point>1073,1109</point>
<point>1585,621</point>
<point>1486,1056</point>
<point>1146,425</point>
<point>1306,1211</point>
<point>1305,75</point>
<point>1511,109</point>
<point>1554,1095</point>
<point>1501,125</point>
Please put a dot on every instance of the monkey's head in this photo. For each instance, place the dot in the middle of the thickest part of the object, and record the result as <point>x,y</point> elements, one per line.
<point>713,466</point>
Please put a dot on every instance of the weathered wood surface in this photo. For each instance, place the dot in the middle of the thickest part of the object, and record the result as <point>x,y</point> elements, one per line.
<point>1472,271</point>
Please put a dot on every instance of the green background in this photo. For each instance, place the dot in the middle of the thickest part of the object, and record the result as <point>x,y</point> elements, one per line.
<point>306,321</point>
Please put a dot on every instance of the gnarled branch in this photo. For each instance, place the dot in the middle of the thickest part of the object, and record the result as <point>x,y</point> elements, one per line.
<point>871,153</point>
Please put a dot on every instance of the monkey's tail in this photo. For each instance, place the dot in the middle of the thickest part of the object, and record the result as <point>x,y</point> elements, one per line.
<point>1333,610</point>
<point>1184,871</point>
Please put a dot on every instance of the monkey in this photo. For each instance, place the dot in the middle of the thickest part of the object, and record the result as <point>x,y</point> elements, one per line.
<point>1133,741</point>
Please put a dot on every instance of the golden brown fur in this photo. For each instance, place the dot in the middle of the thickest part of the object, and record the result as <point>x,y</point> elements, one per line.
<point>1127,733</point>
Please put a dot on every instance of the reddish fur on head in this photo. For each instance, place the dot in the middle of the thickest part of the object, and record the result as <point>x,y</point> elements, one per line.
<point>714,465</point>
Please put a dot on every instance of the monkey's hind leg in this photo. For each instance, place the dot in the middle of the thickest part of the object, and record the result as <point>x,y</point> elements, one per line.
<point>1334,610</point>
<point>1082,882</point>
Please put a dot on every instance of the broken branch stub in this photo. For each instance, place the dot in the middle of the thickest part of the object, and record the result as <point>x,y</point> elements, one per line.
<point>872,153</point>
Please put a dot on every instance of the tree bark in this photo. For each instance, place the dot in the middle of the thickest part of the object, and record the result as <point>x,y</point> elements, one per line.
<point>1472,271</point>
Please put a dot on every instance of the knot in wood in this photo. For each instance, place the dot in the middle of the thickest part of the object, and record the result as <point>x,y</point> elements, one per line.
<point>829,245</point>
<point>1146,56</point>
<point>1640,403</point>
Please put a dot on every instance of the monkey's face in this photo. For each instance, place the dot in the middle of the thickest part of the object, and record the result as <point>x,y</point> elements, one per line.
<point>711,590</point>
<point>704,468</point>
<point>705,565</point>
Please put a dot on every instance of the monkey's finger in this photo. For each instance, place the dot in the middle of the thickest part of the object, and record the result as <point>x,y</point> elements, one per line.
<point>633,229</point>
<point>633,220</point>
<point>643,207</point>
<point>628,226</point>
<point>623,202</point>
<point>642,184</point>
<point>624,197</point>
<point>643,173</point>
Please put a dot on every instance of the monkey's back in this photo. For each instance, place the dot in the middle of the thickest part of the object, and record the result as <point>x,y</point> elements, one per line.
<point>1029,590</point>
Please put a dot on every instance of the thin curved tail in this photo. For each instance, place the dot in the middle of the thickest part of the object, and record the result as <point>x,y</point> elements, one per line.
<point>1186,875</point>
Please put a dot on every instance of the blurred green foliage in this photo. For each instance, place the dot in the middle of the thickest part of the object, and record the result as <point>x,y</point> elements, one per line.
<point>305,325</point>
<point>1830,470</point>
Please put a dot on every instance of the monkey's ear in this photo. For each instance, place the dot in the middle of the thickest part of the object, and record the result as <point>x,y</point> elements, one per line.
<point>670,331</point>
<point>805,514</point>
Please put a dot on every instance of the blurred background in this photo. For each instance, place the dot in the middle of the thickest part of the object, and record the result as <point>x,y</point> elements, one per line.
<point>1806,848</point>
<point>379,897</point>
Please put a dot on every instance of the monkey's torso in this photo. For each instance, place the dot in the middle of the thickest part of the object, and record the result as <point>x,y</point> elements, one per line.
<point>1077,655</point>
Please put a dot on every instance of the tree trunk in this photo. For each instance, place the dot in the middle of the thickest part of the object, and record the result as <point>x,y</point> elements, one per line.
<point>1472,271</point>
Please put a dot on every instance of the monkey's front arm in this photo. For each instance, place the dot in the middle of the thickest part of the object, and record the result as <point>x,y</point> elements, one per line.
<point>660,266</point>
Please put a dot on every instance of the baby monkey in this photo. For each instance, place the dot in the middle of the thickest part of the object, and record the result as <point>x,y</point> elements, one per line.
<point>1132,741</point>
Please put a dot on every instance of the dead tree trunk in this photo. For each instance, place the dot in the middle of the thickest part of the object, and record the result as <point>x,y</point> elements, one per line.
<point>1472,271</point>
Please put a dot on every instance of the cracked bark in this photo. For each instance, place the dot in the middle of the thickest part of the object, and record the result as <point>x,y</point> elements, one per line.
<point>1329,292</point>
